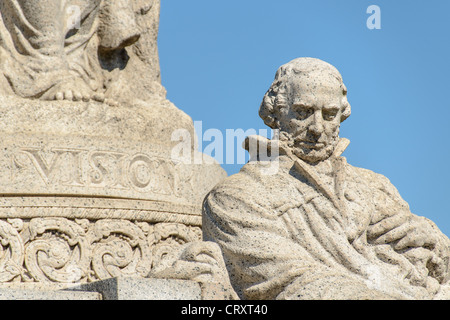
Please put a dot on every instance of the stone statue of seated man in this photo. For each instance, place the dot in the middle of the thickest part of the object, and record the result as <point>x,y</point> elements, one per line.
<point>49,49</point>
<point>319,228</point>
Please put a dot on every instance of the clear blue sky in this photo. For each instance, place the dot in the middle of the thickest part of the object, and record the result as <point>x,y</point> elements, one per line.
<point>218,58</point>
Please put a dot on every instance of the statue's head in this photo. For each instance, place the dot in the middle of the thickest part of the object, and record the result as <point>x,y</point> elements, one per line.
<point>307,102</point>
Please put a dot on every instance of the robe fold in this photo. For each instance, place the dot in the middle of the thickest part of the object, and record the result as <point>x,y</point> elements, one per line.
<point>32,62</point>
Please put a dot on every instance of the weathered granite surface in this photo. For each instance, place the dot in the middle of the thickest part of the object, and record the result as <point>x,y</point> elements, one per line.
<point>143,289</point>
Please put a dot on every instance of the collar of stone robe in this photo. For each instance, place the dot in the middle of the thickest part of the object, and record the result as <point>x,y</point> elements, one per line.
<point>307,171</point>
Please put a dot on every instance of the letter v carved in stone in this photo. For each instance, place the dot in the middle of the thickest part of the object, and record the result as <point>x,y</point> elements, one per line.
<point>43,167</point>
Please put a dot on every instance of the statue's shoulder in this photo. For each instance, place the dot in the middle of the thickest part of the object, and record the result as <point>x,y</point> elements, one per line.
<point>377,182</point>
<point>251,187</point>
<point>246,181</point>
<point>366,173</point>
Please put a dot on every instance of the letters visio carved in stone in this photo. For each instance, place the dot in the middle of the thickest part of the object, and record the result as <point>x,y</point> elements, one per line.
<point>98,169</point>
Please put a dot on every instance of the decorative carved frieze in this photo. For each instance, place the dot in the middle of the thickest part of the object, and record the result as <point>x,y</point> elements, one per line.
<point>63,250</point>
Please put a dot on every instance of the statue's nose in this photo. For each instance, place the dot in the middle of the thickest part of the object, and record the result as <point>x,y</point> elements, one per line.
<point>316,127</point>
<point>118,27</point>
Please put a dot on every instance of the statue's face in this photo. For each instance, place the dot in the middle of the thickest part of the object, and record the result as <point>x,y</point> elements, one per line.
<point>313,117</point>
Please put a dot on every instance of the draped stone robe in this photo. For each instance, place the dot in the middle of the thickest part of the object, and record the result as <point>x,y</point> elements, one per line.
<point>39,54</point>
<point>33,61</point>
<point>292,236</point>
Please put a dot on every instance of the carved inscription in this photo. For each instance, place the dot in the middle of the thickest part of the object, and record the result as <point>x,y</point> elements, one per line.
<point>97,169</point>
<point>47,167</point>
<point>107,170</point>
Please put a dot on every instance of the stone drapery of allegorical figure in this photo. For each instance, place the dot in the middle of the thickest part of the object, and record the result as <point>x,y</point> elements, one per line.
<point>317,227</point>
<point>76,49</point>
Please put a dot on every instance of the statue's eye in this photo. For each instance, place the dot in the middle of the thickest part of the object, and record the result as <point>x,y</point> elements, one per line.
<point>303,112</point>
<point>329,114</point>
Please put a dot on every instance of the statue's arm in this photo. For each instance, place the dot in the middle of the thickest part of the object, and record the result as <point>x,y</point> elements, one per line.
<point>394,224</point>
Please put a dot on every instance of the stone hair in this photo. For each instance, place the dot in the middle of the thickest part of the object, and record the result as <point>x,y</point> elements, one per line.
<point>276,96</point>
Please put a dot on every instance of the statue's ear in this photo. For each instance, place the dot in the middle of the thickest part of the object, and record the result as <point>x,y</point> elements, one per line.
<point>346,112</point>
<point>267,110</point>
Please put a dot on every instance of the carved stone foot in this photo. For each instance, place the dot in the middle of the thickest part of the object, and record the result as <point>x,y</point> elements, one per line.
<point>71,90</point>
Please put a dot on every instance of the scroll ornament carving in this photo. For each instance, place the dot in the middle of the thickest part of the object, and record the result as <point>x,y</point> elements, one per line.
<point>57,251</point>
<point>120,248</point>
<point>169,237</point>
<point>11,252</point>
<point>62,250</point>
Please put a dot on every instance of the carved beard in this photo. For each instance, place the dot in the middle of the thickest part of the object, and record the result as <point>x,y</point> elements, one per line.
<point>309,155</point>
